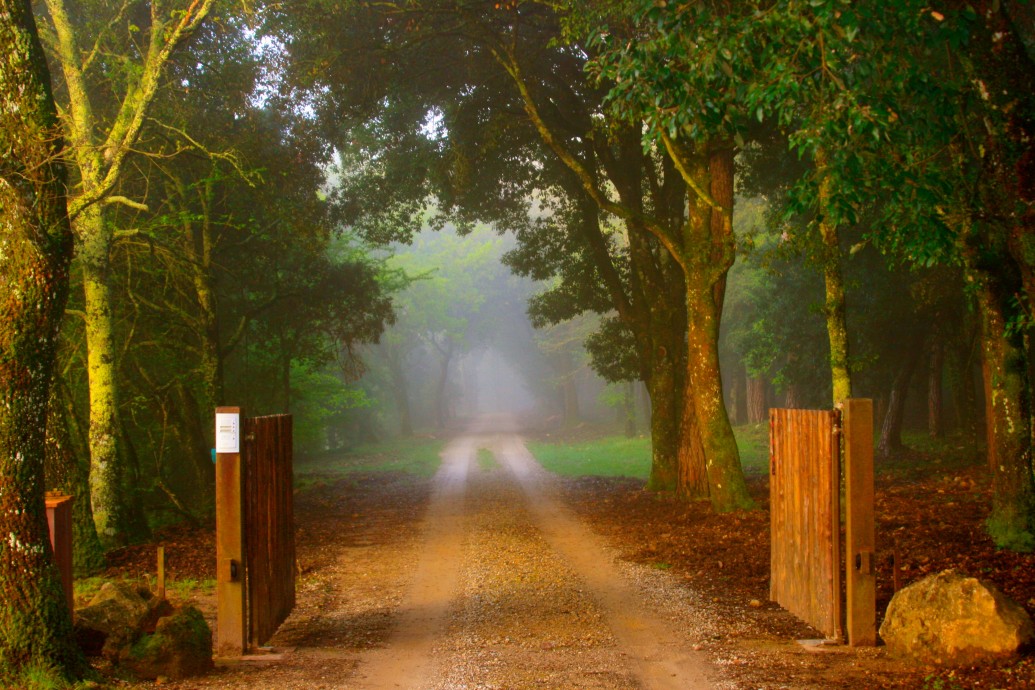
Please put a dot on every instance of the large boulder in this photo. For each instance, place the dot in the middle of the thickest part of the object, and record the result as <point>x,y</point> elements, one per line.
<point>952,619</point>
<point>181,646</point>
<point>111,620</point>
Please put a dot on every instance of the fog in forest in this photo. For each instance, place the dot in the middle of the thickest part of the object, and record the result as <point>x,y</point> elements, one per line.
<point>374,218</point>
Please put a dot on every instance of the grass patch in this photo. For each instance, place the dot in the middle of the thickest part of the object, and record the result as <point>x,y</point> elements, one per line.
<point>85,588</point>
<point>611,456</point>
<point>188,588</point>
<point>415,456</point>
<point>487,460</point>
<point>753,444</point>
<point>619,456</point>
<point>184,589</point>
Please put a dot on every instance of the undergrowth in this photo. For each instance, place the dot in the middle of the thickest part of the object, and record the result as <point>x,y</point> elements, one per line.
<point>415,456</point>
<point>620,456</point>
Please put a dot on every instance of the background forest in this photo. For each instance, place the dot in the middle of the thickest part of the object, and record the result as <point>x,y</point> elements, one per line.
<point>386,217</point>
<point>312,210</point>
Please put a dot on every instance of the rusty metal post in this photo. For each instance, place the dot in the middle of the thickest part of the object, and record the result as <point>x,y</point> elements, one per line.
<point>860,538</point>
<point>59,518</point>
<point>231,622</point>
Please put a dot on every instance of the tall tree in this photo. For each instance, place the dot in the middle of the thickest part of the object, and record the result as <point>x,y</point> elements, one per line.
<point>35,252</point>
<point>489,61</point>
<point>101,141</point>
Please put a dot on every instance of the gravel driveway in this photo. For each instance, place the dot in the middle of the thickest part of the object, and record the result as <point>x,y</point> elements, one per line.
<point>499,585</point>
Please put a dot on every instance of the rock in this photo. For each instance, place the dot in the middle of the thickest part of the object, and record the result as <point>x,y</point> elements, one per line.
<point>951,619</point>
<point>156,610</point>
<point>111,620</point>
<point>181,646</point>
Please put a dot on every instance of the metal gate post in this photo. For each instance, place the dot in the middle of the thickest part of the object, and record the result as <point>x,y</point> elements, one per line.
<point>231,622</point>
<point>860,538</point>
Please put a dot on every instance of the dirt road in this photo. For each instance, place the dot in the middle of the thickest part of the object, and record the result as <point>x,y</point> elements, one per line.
<point>511,591</point>
<point>478,578</point>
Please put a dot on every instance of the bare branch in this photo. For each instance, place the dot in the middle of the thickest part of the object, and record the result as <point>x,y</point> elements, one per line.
<point>125,201</point>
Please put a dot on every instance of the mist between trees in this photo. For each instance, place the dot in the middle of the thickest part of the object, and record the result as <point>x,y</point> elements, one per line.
<point>388,217</point>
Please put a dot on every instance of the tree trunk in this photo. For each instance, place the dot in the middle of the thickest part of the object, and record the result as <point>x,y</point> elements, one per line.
<point>666,414</point>
<point>727,488</point>
<point>935,418</point>
<point>68,471</point>
<point>400,391</point>
<point>629,406</point>
<point>891,430</point>
<point>834,308</point>
<point>706,263</point>
<point>962,379</point>
<point>35,623</point>
<point>195,422</point>
<point>199,249</point>
<point>571,400</point>
<point>693,459</point>
<point>1012,522</point>
<point>792,397</point>
<point>758,411</point>
<point>106,471</point>
<point>737,402</point>
<point>286,357</point>
<point>137,529</point>
<point>441,410</point>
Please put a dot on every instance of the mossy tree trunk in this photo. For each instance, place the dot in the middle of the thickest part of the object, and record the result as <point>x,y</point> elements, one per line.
<point>106,470</point>
<point>935,407</point>
<point>1007,396</point>
<point>35,252</point>
<point>707,253</point>
<point>100,150</point>
<point>834,307</point>
<point>650,300</point>
<point>68,471</point>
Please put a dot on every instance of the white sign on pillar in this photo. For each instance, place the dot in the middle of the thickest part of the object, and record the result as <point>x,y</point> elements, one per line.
<point>228,432</point>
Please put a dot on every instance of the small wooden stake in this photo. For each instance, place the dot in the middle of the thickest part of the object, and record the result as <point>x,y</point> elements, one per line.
<point>161,572</point>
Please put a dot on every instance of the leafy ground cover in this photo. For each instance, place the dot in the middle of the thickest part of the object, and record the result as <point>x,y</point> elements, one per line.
<point>190,552</point>
<point>931,505</point>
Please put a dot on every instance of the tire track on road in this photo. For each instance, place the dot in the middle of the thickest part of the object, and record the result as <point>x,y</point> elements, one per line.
<point>407,660</point>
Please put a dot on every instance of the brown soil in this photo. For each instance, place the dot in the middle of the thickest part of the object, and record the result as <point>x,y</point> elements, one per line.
<point>361,540</point>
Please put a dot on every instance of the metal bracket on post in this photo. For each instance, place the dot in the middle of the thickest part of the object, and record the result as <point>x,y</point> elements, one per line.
<point>231,613</point>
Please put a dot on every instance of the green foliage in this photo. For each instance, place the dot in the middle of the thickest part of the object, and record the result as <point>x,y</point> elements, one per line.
<point>1007,534</point>
<point>936,682</point>
<point>612,350</point>
<point>322,399</point>
<point>35,676</point>
<point>487,460</point>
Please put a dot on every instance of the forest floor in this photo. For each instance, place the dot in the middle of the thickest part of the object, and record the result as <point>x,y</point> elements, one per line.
<point>519,609</point>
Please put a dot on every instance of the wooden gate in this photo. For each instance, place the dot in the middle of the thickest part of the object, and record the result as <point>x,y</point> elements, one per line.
<point>805,475</point>
<point>269,524</point>
<point>804,510</point>
<point>255,538</point>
